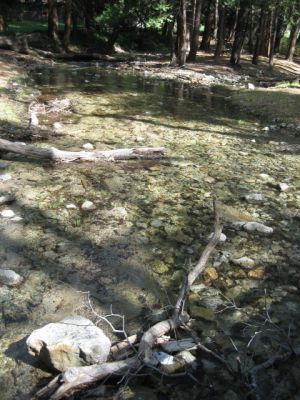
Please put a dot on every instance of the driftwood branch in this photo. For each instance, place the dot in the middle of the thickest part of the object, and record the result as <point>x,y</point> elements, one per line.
<point>75,379</point>
<point>95,156</point>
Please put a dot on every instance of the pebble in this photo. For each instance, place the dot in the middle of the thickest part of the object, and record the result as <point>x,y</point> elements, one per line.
<point>156,223</point>
<point>257,227</point>
<point>222,239</point>
<point>257,273</point>
<point>7,213</point>
<point>254,198</point>
<point>2,165</point>
<point>265,177</point>
<point>10,278</point>
<point>88,146</point>
<point>251,86</point>
<point>283,187</point>
<point>57,126</point>
<point>71,206</point>
<point>266,129</point>
<point>7,198</point>
<point>211,273</point>
<point>88,205</point>
<point>245,262</point>
<point>16,218</point>
<point>5,177</point>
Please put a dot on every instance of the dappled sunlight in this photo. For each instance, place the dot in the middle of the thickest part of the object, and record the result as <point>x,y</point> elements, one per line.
<point>151,219</point>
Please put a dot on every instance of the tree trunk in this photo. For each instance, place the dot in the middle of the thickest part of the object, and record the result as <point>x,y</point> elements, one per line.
<point>216,18</point>
<point>2,23</point>
<point>53,21</point>
<point>293,40</point>
<point>231,31</point>
<point>89,17</point>
<point>195,31</point>
<point>221,31</point>
<point>252,31</point>
<point>273,38</point>
<point>259,35</point>
<point>239,34</point>
<point>110,45</point>
<point>173,42</point>
<point>281,28</point>
<point>208,28</point>
<point>266,35</point>
<point>68,24</point>
<point>181,33</point>
<point>3,17</point>
<point>96,156</point>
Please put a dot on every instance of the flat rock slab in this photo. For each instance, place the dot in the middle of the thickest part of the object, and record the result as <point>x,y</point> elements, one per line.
<point>75,341</point>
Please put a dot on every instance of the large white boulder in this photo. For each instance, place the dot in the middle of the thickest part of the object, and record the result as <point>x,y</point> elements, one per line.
<point>75,341</point>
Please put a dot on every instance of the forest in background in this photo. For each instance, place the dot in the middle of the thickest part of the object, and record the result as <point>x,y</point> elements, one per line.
<point>261,27</point>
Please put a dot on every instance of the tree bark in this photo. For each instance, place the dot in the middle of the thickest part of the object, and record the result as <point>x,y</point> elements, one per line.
<point>208,28</point>
<point>95,156</point>
<point>239,34</point>
<point>68,24</point>
<point>53,21</point>
<point>3,17</point>
<point>281,28</point>
<point>89,17</point>
<point>2,23</point>
<point>181,33</point>
<point>273,38</point>
<point>216,18</point>
<point>173,42</point>
<point>257,49</point>
<point>195,30</point>
<point>221,31</point>
<point>293,40</point>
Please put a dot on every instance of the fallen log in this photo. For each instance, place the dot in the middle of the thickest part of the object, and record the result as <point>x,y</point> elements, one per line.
<point>147,153</point>
<point>75,379</point>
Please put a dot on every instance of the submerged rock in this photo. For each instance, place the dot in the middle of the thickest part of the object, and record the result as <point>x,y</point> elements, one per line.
<point>7,213</point>
<point>7,198</point>
<point>88,205</point>
<point>71,206</point>
<point>75,341</point>
<point>202,313</point>
<point>222,239</point>
<point>10,278</point>
<point>283,187</point>
<point>254,198</point>
<point>257,227</point>
<point>211,273</point>
<point>245,262</point>
<point>160,267</point>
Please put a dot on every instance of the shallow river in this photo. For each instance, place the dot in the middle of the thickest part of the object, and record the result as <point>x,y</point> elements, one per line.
<point>151,219</point>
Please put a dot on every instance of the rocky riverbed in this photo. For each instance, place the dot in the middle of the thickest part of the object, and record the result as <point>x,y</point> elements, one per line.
<point>126,232</point>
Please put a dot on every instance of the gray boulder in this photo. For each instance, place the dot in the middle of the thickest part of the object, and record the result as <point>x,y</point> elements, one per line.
<point>75,341</point>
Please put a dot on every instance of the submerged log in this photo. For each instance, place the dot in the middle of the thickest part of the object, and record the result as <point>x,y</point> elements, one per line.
<point>54,154</point>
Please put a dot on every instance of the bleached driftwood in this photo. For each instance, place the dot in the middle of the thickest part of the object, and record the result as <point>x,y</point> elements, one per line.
<point>54,154</point>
